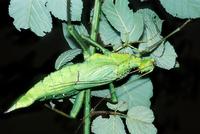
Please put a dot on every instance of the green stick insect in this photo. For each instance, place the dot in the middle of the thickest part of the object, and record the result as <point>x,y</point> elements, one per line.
<point>97,70</point>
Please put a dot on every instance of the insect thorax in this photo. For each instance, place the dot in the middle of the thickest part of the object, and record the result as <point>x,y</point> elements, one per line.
<point>126,66</point>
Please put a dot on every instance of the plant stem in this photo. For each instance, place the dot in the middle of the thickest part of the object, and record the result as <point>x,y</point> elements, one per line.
<point>87,110</point>
<point>95,22</point>
<point>57,111</point>
<point>93,36</point>
<point>95,113</point>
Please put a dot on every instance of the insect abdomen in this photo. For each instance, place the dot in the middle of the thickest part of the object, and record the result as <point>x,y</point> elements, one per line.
<point>23,101</point>
<point>68,81</point>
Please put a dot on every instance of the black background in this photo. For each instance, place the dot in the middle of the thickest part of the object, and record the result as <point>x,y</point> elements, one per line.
<point>26,58</point>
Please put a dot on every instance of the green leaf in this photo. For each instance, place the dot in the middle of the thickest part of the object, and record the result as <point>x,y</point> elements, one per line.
<point>126,50</point>
<point>136,91</point>
<point>120,106</point>
<point>111,125</point>
<point>72,44</point>
<point>123,20</point>
<point>34,14</point>
<point>104,93</point>
<point>136,31</point>
<point>168,58</point>
<point>164,55</point>
<point>139,121</point>
<point>182,8</point>
<point>31,14</point>
<point>66,56</point>
<point>108,34</point>
<point>119,15</point>
<point>80,29</point>
<point>59,9</point>
<point>152,29</point>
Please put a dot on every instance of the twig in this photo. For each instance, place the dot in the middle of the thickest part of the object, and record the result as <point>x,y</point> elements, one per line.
<point>57,111</point>
<point>95,113</point>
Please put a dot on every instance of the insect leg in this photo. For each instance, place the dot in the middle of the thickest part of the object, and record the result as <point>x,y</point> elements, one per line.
<point>95,44</point>
<point>71,29</point>
<point>113,94</point>
<point>77,104</point>
<point>78,38</point>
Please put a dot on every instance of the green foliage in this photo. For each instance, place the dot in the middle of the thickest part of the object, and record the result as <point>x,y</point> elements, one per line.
<point>134,95</point>
<point>31,14</point>
<point>59,7</point>
<point>111,125</point>
<point>135,92</point>
<point>120,28</point>
<point>66,57</point>
<point>35,14</point>
<point>165,54</point>
<point>167,59</point>
<point>71,42</point>
<point>182,8</point>
<point>139,121</point>
<point>120,106</point>
<point>129,24</point>
<point>108,34</point>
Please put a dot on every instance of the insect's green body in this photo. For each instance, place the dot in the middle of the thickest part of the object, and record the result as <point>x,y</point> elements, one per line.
<point>97,70</point>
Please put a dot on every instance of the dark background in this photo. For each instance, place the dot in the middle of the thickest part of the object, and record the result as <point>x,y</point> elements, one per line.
<point>26,58</point>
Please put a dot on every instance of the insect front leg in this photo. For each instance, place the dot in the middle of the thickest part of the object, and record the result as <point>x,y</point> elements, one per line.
<point>95,44</point>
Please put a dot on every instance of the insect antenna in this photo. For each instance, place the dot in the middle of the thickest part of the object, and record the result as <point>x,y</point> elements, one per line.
<point>130,44</point>
<point>157,44</point>
<point>154,46</point>
<point>134,71</point>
